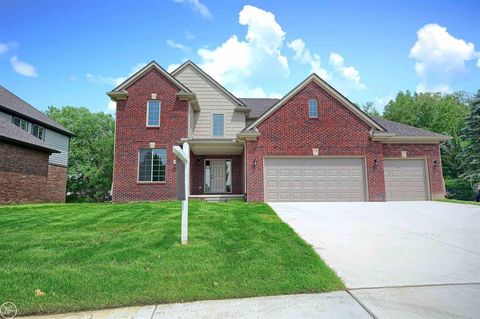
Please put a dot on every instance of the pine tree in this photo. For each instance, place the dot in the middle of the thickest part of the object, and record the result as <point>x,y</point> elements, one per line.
<point>471,153</point>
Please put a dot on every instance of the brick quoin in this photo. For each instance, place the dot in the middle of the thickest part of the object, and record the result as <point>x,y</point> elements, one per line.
<point>23,174</point>
<point>336,132</point>
<point>132,134</point>
<point>56,184</point>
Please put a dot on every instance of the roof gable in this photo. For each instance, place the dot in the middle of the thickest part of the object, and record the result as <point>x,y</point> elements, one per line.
<point>144,70</point>
<point>210,79</point>
<point>330,90</point>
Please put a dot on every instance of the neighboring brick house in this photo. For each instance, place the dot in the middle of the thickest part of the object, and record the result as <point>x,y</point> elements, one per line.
<point>311,145</point>
<point>33,153</point>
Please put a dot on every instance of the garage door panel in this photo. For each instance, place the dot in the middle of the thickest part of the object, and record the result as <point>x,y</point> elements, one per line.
<point>315,179</point>
<point>405,179</point>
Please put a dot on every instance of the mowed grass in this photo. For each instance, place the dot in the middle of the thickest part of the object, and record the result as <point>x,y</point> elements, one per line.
<point>456,201</point>
<point>90,256</point>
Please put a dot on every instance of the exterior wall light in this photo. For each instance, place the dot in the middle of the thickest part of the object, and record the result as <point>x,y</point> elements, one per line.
<point>375,162</point>
<point>255,163</point>
<point>435,163</point>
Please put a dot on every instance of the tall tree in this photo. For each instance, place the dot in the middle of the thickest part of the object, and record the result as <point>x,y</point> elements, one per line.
<point>91,151</point>
<point>471,134</point>
<point>370,109</point>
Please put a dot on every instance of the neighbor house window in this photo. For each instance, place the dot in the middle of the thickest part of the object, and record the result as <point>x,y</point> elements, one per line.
<point>153,113</point>
<point>38,131</point>
<point>151,165</point>
<point>20,123</point>
<point>218,126</point>
<point>312,108</point>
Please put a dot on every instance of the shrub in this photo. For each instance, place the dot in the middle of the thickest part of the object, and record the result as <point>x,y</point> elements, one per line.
<point>459,189</point>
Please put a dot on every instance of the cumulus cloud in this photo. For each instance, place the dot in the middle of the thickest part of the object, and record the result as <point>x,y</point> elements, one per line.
<point>197,6</point>
<point>349,74</point>
<point>304,56</point>
<point>177,45</point>
<point>236,62</point>
<point>23,68</point>
<point>440,58</point>
<point>115,81</point>
<point>111,106</point>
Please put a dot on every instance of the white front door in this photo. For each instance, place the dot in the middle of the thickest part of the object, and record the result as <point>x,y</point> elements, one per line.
<point>217,176</point>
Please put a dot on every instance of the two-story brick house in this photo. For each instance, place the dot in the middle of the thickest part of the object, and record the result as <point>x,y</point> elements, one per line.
<point>311,145</point>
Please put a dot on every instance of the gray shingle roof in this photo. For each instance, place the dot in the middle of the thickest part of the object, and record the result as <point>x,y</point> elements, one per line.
<point>258,105</point>
<point>403,129</point>
<point>261,105</point>
<point>15,135</point>
<point>11,103</point>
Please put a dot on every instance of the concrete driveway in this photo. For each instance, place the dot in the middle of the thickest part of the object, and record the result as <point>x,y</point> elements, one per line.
<point>398,259</point>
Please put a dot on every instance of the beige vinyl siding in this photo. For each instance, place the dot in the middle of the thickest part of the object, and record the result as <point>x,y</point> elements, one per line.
<point>212,101</point>
<point>192,119</point>
<point>59,142</point>
<point>6,116</point>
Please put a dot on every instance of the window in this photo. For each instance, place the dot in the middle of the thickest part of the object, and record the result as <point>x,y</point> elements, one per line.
<point>38,131</point>
<point>312,108</point>
<point>153,113</point>
<point>20,123</point>
<point>218,127</point>
<point>151,166</point>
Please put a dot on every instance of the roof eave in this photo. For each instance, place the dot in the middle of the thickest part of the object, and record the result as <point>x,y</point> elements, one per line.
<point>118,95</point>
<point>390,138</point>
<point>28,145</point>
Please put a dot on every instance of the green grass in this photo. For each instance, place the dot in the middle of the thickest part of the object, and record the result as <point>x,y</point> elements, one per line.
<point>459,201</point>
<point>89,256</point>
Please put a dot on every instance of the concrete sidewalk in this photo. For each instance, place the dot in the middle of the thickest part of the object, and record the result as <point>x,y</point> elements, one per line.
<point>338,304</point>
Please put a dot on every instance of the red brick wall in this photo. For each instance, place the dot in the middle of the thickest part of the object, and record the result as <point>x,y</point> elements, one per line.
<point>429,151</point>
<point>56,184</point>
<point>336,132</point>
<point>197,172</point>
<point>132,134</point>
<point>23,174</point>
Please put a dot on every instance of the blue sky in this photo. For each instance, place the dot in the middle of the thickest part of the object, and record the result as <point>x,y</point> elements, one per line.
<point>71,52</point>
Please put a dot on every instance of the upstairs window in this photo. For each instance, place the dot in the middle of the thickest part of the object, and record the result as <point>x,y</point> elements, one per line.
<point>152,164</point>
<point>38,131</point>
<point>312,108</point>
<point>20,123</point>
<point>153,113</point>
<point>218,125</point>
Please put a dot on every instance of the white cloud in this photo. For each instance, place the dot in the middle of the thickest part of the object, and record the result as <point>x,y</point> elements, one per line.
<point>4,47</point>
<point>304,56</point>
<point>172,67</point>
<point>115,81</point>
<point>177,45</point>
<point>440,57</point>
<point>111,106</point>
<point>381,102</point>
<point>189,35</point>
<point>23,68</point>
<point>236,62</point>
<point>197,6</point>
<point>351,76</point>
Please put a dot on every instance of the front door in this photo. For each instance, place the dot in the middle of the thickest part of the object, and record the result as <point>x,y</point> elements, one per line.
<point>217,176</point>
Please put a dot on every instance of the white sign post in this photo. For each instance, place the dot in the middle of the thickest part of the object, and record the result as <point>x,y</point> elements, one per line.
<point>184,156</point>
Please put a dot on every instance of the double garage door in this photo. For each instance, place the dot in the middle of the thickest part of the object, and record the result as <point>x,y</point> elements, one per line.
<point>315,179</point>
<point>340,179</point>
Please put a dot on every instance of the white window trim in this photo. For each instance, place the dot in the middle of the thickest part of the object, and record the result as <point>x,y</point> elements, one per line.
<point>309,114</point>
<point>213,131</point>
<point>159,112</point>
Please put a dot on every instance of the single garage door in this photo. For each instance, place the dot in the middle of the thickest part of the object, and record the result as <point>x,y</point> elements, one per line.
<point>405,179</point>
<point>314,179</point>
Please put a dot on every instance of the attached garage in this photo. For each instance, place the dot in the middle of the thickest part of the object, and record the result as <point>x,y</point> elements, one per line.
<point>406,179</point>
<point>314,179</point>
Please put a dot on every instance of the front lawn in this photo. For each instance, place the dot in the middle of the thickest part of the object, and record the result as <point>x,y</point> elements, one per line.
<point>456,201</point>
<point>85,256</point>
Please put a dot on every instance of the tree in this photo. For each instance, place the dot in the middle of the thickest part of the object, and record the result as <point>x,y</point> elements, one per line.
<point>436,112</point>
<point>441,113</point>
<point>471,134</point>
<point>370,109</point>
<point>91,151</point>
